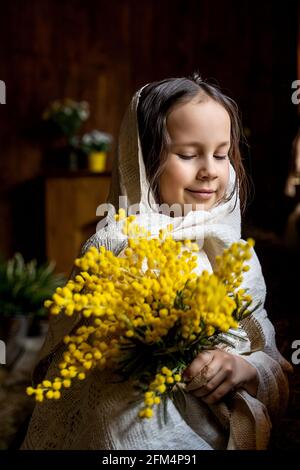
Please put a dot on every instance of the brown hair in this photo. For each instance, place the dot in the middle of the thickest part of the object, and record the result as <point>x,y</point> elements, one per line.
<point>156,101</point>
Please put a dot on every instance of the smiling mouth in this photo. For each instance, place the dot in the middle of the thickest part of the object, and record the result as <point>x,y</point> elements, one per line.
<point>202,191</point>
<point>202,195</point>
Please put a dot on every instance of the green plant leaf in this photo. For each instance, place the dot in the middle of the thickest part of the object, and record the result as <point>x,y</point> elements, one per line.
<point>25,287</point>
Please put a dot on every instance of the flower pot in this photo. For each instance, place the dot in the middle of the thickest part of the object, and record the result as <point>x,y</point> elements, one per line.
<point>97,161</point>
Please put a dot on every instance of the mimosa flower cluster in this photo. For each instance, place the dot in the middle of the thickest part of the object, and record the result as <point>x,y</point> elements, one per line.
<point>146,314</point>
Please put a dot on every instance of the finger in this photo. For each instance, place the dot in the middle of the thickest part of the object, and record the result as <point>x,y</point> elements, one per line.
<point>219,393</point>
<point>204,358</point>
<point>207,373</point>
<point>211,385</point>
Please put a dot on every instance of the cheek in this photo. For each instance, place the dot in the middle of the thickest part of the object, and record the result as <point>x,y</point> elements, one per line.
<point>174,175</point>
<point>225,178</point>
<point>172,182</point>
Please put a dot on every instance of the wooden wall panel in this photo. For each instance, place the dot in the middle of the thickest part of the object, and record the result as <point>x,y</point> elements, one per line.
<point>71,205</point>
<point>103,51</point>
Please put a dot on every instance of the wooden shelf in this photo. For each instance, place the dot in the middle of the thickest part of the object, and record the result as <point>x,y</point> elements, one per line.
<point>71,201</point>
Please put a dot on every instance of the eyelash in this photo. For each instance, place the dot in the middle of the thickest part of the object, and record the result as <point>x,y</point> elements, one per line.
<point>189,157</point>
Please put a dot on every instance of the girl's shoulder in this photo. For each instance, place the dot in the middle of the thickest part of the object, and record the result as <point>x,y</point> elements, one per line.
<point>106,238</point>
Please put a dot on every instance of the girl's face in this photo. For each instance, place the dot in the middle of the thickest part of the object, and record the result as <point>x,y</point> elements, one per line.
<point>197,166</point>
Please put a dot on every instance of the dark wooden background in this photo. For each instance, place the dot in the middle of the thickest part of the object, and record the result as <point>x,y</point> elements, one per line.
<point>102,51</point>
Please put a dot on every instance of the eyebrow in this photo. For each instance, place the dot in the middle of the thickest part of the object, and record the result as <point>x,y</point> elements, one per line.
<point>195,144</point>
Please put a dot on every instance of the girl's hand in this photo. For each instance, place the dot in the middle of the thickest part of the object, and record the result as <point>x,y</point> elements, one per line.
<point>215,373</point>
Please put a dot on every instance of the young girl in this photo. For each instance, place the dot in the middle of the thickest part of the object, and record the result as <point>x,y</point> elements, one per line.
<point>178,147</point>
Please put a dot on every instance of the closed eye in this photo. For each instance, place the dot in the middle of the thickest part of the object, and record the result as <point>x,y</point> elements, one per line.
<point>189,157</point>
<point>220,157</point>
<point>186,157</point>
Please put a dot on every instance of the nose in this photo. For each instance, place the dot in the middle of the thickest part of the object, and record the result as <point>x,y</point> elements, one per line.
<point>207,169</point>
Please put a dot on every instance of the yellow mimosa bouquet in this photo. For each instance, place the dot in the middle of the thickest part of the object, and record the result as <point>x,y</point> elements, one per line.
<point>146,315</point>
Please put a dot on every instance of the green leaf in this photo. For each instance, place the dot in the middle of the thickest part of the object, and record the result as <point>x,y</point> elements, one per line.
<point>25,287</point>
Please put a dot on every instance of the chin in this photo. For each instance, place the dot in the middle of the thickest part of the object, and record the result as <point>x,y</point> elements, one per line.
<point>201,206</point>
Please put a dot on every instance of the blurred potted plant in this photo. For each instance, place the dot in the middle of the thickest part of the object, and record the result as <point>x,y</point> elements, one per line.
<point>95,145</point>
<point>23,289</point>
<point>64,118</point>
